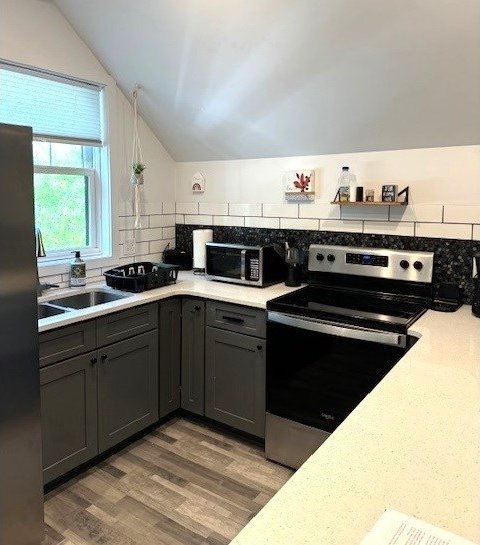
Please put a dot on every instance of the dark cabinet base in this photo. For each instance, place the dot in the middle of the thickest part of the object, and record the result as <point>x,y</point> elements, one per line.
<point>235,380</point>
<point>127,388</point>
<point>193,355</point>
<point>69,414</point>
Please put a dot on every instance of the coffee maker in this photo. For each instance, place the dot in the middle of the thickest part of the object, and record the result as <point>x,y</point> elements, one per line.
<point>476,291</point>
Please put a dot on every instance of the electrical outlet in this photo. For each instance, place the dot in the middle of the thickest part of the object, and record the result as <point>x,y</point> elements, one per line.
<point>129,248</point>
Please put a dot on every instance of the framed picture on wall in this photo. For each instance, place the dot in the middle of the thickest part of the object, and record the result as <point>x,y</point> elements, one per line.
<point>299,184</point>
<point>198,183</point>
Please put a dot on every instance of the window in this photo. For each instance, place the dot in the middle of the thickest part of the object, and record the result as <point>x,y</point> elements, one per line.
<point>66,196</point>
<point>66,118</point>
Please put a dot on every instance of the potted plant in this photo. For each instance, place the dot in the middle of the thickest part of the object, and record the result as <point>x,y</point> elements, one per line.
<point>137,173</point>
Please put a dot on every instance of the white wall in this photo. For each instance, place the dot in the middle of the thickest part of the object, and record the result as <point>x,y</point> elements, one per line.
<point>444,192</point>
<point>35,33</point>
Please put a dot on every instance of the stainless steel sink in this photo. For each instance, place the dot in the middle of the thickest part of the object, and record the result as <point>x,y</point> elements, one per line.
<point>87,299</point>
<point>45,311</point>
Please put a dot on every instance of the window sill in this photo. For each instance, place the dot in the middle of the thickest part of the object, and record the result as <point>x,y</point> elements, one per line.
<point>61,266</point>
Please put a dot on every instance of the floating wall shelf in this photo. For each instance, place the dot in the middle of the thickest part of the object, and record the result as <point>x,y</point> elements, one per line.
<point>374,203</point>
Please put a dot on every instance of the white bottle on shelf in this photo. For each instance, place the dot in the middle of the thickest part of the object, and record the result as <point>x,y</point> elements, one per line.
<point>348,179</point>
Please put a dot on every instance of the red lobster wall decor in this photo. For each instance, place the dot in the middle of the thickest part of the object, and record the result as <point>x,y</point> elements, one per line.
<point>302,182</point>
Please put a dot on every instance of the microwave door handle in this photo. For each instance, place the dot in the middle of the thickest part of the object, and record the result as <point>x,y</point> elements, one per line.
<point>382,337</point>
<point>243,264</point>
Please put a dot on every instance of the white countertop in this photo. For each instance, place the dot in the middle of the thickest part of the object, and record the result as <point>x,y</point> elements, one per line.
<point>187,284</point>
<point>412,445</point>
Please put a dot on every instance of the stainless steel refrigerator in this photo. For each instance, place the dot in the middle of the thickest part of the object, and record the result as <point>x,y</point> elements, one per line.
<point>21,493</point>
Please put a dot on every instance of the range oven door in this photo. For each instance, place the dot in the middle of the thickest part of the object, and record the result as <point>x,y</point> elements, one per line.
<point>232,263</point>
<point>317,373</point>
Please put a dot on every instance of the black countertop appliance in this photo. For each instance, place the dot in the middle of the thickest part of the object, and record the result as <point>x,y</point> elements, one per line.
<point>182,258</point>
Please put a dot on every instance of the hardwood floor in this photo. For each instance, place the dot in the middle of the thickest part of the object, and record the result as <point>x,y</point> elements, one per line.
<point>184,484</point>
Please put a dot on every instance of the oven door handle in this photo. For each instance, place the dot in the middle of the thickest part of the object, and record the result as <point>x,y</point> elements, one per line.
<point>339,330</point>
<point>243,264</point>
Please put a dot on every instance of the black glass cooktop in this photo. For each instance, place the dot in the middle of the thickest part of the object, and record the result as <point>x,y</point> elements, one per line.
<point>369,309</point>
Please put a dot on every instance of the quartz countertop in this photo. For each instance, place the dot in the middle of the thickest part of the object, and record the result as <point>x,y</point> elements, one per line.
<point>187,284</point>
<point>413,445</point>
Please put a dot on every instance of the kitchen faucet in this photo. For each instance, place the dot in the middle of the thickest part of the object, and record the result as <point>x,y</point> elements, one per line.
<point>40,252</point>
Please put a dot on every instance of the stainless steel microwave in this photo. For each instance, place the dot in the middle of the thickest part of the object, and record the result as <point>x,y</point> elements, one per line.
<point>251,265</point>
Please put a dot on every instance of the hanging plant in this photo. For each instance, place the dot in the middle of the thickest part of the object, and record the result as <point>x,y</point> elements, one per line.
<point>138,166</point>
<point>138,169</point>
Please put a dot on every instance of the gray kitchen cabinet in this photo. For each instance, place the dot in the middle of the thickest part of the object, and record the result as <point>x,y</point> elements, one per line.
<point>235,380</point>
<point>193,355</point>
<point>127,388</point>
<point>170,330</point>
<point>69,414</point>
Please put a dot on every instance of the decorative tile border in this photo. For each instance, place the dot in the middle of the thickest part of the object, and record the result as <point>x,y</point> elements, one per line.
<point>453,258</point>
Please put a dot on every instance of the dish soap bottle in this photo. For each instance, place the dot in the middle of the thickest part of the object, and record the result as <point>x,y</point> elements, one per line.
<point>347,179</point>
<point>78,272</point>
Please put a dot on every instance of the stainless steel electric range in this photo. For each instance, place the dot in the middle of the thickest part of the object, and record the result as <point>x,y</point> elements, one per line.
<point>330,343</point>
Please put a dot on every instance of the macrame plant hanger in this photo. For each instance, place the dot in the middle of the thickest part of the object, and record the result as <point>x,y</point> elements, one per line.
<point>138,165</point>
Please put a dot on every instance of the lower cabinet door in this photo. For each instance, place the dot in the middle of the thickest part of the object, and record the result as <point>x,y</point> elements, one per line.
<point>170,331</point>
<point>193,356</point>
<point>235,380</point>
<point>127,388</point>
<point>69,414</point>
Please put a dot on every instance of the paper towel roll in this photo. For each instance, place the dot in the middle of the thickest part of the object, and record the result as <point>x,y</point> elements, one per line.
<point>200,238</point>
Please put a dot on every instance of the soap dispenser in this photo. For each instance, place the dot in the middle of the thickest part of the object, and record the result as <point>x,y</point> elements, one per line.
<point>78,272</point>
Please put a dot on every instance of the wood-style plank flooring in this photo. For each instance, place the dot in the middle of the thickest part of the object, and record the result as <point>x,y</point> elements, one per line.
<point>186,483</point>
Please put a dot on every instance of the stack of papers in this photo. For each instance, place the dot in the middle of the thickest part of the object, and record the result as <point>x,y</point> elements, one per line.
<point>394,528</point>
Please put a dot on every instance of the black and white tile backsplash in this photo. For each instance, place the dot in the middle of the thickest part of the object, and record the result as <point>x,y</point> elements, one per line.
<point>453,257</point>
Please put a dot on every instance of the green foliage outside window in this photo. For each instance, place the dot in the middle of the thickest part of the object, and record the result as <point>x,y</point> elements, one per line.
<point>61,210</point>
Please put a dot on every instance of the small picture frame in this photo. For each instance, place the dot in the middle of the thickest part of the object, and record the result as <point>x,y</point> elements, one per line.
<point>198,183</point>
<point>389,193</point>
<point>299,185</point>
<point>369,195</point>
<point>344,193</point>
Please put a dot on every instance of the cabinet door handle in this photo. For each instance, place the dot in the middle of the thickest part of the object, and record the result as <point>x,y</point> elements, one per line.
<point>104,357</point>
<point>93,361</point>
<point>233,320</point>
<point>197,308</point>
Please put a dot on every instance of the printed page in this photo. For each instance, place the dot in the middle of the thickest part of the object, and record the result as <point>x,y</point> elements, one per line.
<point>394,528</point>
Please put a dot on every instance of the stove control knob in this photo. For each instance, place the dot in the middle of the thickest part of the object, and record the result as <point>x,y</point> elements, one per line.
<point>331,258</point>
<point>404,264</point>
<point>418,265</point>
<point>320,257</point>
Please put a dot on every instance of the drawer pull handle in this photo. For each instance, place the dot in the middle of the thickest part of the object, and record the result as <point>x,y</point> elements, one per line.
<point>197,308</point>
<point>104,357</point>
<point>259,347</point>
<point>234,320</point>
<point>93,361</point>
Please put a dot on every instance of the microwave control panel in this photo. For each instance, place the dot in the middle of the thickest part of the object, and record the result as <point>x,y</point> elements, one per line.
<point>254,263</point>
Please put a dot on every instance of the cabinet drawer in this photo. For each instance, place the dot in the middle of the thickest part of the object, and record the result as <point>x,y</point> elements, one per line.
<point>249,321</point>
<point>127,323</point>
<point>66,342</point>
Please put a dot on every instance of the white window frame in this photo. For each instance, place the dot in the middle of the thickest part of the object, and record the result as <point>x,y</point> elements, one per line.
<point>94,249</point>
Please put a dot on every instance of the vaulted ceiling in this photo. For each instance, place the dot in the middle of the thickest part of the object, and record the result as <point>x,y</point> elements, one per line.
<point>228,79</point>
